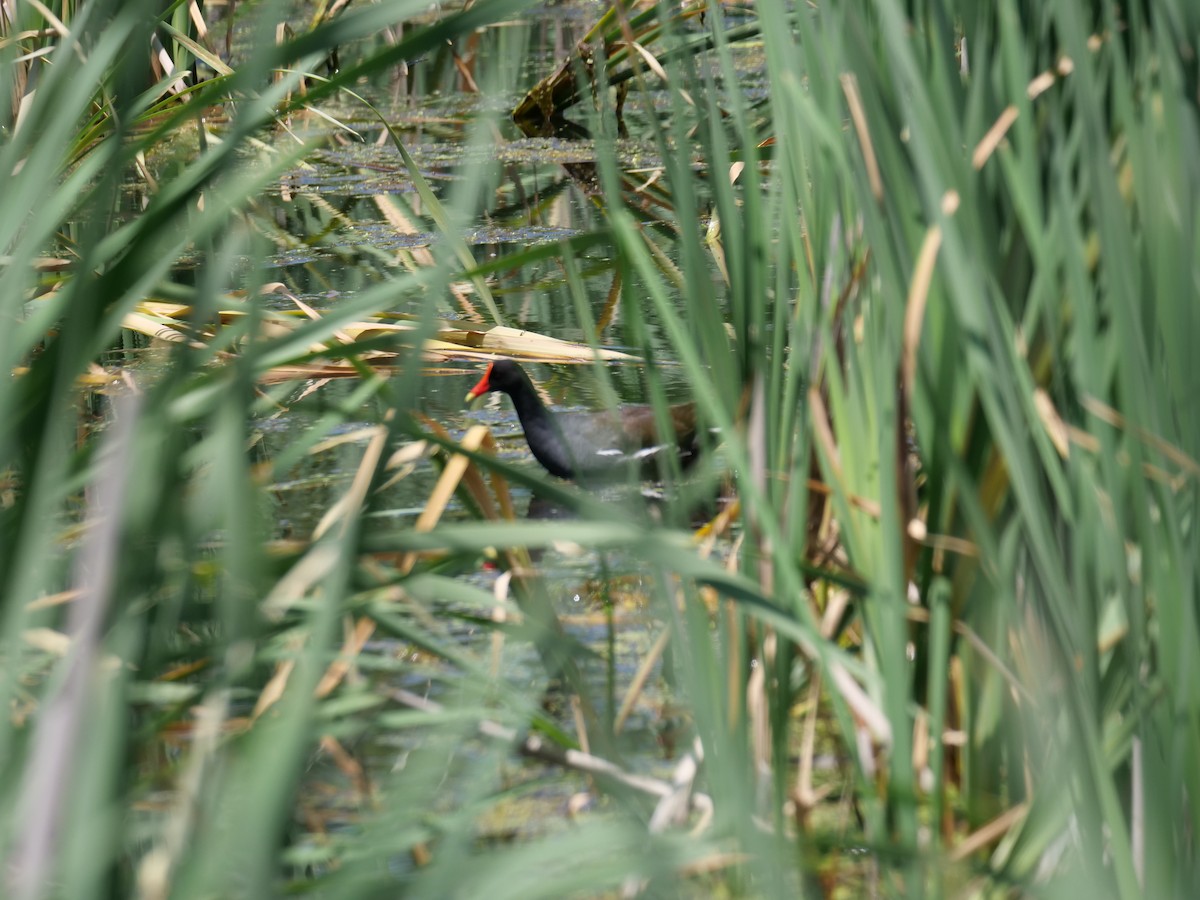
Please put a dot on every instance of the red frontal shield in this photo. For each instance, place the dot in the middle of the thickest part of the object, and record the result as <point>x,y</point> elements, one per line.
<point>482,387</point>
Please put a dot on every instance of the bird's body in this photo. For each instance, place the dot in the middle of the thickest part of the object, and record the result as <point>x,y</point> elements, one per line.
<point>584,445</point>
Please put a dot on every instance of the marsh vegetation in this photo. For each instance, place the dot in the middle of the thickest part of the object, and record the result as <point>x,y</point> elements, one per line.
<point>284,615</point>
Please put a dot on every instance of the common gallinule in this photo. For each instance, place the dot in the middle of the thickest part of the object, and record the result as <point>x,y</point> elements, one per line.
<point>591,444</point>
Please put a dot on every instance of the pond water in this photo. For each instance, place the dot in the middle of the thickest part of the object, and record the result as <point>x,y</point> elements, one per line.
<point>336,237</point>
<point>334,225</point>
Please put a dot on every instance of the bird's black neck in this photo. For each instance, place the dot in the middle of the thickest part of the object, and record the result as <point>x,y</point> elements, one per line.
<point>541,431</point>
<point>528,404</point>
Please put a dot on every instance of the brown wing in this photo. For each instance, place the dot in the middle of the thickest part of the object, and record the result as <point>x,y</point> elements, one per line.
<point>639,425</point>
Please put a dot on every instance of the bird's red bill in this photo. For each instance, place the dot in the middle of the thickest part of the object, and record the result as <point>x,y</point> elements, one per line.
<point>482,387</point>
